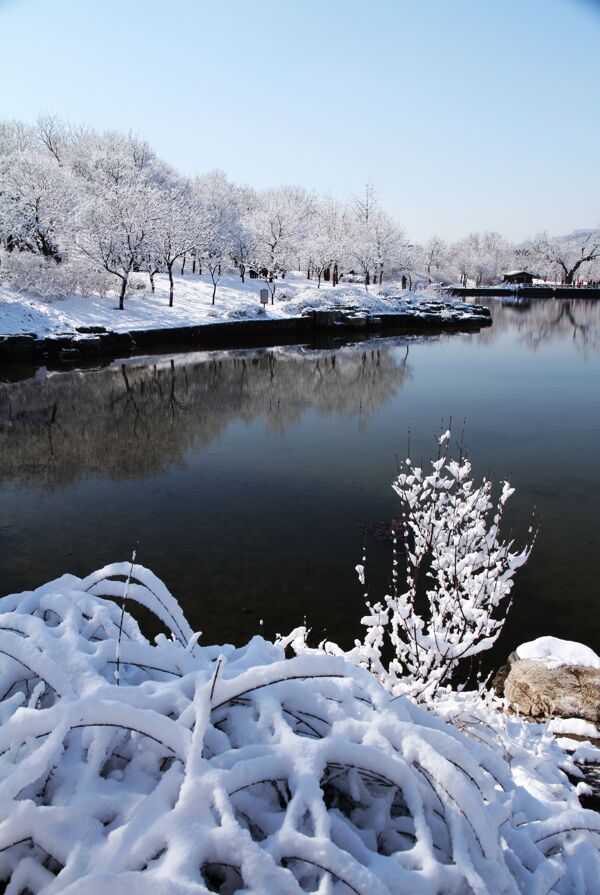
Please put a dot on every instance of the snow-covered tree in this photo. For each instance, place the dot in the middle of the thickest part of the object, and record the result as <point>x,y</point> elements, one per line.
<point>244,235</point>
<point>326,241</point>
<point>216,201</point>
<point>177,230</point>
<point>389,244</point>
<point>567,256</point>
<point>480,258</point>
<point>279,224</point>
<point>376,243</point>
<point>36,201</point>
<point>53,135</point>
<point>364,204</point>
<point>115,231</point>
<point>435,253</point>
<point>120,210</point>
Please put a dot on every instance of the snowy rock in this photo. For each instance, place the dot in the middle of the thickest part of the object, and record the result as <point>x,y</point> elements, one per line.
<point>328,318</point>
<point>90,344</point>
<point>91,330</point>
<point>552,678</point>
<point>14,348</point>
<point>357,321</point>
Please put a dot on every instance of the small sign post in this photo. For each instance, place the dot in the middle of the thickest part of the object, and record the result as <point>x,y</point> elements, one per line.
<point>264,296</point>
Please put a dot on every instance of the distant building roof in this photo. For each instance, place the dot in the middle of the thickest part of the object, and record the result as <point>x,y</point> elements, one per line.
<point>514,273</point>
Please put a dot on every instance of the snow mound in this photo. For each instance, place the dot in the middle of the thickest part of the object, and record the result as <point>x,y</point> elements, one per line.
<point>133,767</point>
<point>574,725</point>
<point>354,297</point>
<point>20,313</point>
<point>554,652</point>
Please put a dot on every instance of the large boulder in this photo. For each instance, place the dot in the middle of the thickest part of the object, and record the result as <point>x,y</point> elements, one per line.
<point>552,678</point>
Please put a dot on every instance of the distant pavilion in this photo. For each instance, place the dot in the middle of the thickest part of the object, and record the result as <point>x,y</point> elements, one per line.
<point>519,276</point>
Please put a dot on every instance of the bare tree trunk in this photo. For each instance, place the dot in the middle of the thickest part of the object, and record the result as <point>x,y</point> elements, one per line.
<point>194,265</point>
<point>122,293</point>
<point>170,270</point>
<point>214,292</point>
<point>319,279</point>
<point>335,279</point>
<point>183,266</point>
<point>151,274</point>
<point>243,272</point>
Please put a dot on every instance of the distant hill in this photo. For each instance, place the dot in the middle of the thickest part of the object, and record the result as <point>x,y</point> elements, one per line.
<point>577,235</point>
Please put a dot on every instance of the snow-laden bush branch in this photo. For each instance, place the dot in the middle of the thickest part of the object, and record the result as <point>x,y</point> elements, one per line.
<point>238,770</point>
<point>459,576</point>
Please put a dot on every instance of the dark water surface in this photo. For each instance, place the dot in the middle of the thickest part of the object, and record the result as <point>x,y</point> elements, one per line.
<point>246,479</point>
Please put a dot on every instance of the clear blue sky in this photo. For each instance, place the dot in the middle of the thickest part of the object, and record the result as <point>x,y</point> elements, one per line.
<point>466,114</point>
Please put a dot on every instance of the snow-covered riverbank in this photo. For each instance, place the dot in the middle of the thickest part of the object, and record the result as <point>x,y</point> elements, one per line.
<point>27,313</point>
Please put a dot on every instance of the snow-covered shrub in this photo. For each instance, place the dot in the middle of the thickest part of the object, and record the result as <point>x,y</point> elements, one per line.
<point>136,286</point>
<point>129,767</point>
<point>250,312</point>
<point>41,276</point>
<point>431,290</point>
<point>459,575</point>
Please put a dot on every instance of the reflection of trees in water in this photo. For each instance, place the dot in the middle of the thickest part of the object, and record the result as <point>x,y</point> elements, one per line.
<point>133,419</point>
<point>548,320</point>
<point>578,321</point>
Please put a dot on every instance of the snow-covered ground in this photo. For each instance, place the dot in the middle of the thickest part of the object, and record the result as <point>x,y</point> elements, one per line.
<point>131,767</point>
<point>22,312</point>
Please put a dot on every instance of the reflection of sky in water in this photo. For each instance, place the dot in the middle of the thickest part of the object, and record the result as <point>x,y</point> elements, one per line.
<point>246,477</point>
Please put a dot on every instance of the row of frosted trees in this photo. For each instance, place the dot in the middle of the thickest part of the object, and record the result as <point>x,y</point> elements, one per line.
<point>81,211</point>
<point>481,258</point>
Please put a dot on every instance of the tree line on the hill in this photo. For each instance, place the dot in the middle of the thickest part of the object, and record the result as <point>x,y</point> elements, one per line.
<point>80,211</point>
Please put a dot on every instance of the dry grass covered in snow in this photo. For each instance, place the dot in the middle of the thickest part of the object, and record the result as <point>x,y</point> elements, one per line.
<point>133,767</point>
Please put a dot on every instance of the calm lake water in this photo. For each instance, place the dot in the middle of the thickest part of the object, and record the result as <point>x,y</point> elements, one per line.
<point>249,480</point>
